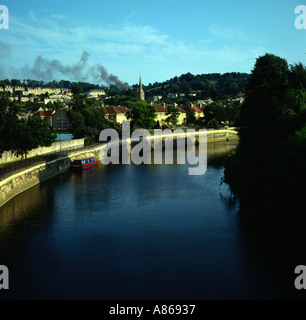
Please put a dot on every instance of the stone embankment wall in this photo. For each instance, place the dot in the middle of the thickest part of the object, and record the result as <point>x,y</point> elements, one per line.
<point>222,135</point>
<point>58,146</point>
<point>22,180</point>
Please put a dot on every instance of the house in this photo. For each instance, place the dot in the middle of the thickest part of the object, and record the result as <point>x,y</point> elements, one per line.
<point>161,110</point>
<point>116,114</point>
<point>172,95</point>
<point>162,116</point>
<point>45,114</point>
<point>192,110</point>
<point>96,93</point>
<point>60,120</point>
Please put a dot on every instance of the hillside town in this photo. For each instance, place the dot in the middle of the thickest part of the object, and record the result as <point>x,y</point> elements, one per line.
<point>53,105</point>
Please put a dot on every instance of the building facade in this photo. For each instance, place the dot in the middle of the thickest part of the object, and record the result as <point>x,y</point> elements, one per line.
<point>60,120</point>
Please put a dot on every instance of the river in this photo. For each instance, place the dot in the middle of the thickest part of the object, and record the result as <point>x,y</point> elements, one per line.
<point>131,232</point>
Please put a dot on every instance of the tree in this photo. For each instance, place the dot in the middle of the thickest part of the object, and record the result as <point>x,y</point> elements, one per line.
<point>31,133</point>
<point>8,122</point>
<point>142,115</point>
<point>20,136</point>
<point>173,113</point>
<point>214,114</point>
<point>269,162</point>
<point>87,120</point>
<point>76,90</point>
<point>232,113</point>
<point>266,102</point>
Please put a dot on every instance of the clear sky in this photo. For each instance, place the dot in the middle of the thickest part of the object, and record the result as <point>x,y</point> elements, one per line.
<point>158,38</point>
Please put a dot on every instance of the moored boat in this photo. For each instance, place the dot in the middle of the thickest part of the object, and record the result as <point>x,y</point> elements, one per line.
<point>84,163</point>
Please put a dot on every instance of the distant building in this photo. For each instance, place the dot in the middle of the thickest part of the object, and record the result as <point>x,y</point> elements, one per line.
<point>192,110</point>
<point>172,95</point>
<point>161,114</point>
<point>96,93</point>
<point>116,114</point>
<point>60,121</point>
<point>44,114</point>
<point>157,98</point>
<point>53,99</point>
<point>39,91</point>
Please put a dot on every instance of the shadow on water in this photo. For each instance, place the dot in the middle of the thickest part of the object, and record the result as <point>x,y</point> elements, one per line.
<point>274,233</point>
<point>278,242</point>
<point>143,232</point>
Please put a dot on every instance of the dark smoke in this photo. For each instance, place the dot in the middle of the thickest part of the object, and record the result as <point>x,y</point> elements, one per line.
<point>47,70</point>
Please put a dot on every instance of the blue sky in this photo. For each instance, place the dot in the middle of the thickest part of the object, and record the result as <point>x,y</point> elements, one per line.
<point>159,39</point>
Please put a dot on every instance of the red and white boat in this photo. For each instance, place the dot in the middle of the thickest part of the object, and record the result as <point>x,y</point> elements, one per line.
<point>84,163</point>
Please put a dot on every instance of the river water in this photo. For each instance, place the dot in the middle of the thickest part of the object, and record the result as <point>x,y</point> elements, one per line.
<point>131,232</point>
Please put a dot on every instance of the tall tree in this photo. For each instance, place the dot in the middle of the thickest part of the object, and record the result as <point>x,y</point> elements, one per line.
<point>87,120</point>
<point>31,133</point>
<point>214,114</point>
<point>269,162</point>
<point>8,123</point>
<point>266,101</point>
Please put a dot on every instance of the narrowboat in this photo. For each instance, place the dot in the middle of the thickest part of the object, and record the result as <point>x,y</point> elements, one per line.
<point>84,163</point>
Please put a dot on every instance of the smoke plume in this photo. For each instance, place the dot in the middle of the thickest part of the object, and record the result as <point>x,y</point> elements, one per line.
<point>47,70</point>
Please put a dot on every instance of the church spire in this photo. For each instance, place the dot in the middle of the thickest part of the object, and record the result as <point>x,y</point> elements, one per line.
<point>141,92</point>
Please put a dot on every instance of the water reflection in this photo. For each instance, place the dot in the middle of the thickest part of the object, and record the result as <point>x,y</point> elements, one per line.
<point>27,207</point>
<point>131,232</point>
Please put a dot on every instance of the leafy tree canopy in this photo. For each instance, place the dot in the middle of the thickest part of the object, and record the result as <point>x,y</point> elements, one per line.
<point>87,119</point>
<point>269,161</point>
<point>21,136</point>
<point>142,115</point>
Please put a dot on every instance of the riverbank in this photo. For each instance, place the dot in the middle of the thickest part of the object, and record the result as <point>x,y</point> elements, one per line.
<point>24,179</point>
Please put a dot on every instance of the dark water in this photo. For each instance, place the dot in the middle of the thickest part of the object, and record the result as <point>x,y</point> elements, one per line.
<point>131,232</point>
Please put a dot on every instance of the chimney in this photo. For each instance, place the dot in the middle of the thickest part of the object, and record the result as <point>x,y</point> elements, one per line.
<point>164,105</point>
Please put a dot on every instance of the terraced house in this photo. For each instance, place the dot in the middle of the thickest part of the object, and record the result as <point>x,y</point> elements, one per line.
<point>116,114</point>
<point>186,112</point>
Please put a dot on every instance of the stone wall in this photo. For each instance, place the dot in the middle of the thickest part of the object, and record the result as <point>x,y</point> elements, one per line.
<point>22,180</point>
<point>222,135</point>
<point>58,146</point>
<point>212,135</point>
